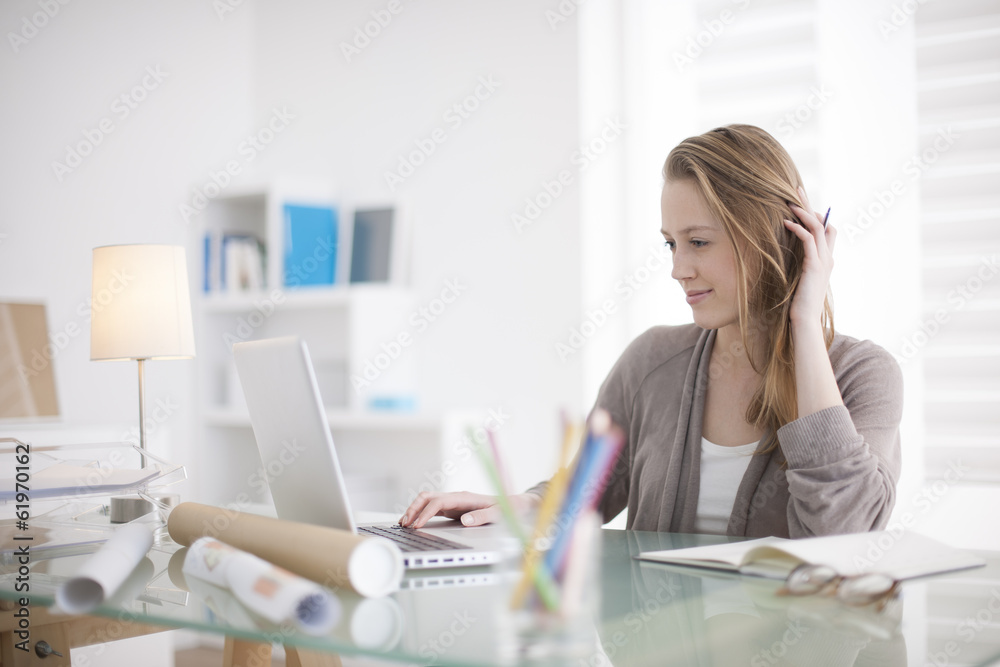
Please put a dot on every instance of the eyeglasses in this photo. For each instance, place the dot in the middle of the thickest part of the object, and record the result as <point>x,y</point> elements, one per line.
<point>857,590</point>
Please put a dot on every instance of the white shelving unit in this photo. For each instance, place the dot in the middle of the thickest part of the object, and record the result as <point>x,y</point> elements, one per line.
<point>346,326</point>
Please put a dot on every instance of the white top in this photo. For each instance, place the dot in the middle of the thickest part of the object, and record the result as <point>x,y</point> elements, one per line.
<point>722,470</point>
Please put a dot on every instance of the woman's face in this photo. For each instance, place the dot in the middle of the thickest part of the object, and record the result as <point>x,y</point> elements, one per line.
<point>704,261</point>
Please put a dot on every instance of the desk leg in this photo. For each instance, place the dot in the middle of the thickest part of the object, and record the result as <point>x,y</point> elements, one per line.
<point>245,653</point>
<point>295,657</point>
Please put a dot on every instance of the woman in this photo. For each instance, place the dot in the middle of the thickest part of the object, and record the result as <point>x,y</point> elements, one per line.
<point>757,419</point>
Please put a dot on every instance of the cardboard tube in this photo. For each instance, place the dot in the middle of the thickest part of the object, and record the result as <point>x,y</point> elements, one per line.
<point>370,566</point>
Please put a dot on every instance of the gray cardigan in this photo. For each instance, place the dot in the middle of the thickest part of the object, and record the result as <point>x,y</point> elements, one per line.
<point>843,462</point>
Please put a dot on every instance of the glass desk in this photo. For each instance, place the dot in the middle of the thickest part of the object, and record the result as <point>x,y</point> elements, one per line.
<point>649,614</point>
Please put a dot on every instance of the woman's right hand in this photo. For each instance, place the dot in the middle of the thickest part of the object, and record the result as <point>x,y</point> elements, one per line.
<point>472,509</point>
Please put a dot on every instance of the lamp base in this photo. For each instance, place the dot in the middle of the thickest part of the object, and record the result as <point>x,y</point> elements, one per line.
<point>125,509</point>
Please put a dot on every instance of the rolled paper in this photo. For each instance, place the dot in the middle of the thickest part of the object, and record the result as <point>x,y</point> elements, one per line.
<point>135,585</point>
<point>101,575</point>
<point>370,566</point>
<point>263,588</point>
<point>224,605</point>
<point>220,601</point>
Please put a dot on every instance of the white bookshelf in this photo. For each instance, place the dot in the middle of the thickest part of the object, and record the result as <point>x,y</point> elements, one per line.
<point>383,453</point>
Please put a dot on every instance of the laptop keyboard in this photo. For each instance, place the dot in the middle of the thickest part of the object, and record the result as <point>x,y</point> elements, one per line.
<point>409,539</point>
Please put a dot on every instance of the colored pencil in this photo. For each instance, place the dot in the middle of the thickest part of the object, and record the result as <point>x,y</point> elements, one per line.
<point>551,502</point>
<point>543,582</point>
<point>588,486</point>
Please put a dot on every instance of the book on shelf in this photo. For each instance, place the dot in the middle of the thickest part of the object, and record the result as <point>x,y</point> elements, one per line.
<point>371,250</point>
<point>310,245</point>
<point>899,554</point>
<point>234,262</point>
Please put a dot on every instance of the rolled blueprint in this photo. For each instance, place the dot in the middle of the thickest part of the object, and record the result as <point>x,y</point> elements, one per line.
<point>370,566</point>
<point>102,574</point>
<point>263,588</point>
<point>225,606</point>
<point>371,623</point>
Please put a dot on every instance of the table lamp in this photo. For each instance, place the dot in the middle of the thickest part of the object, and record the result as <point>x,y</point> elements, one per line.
<point>140,310</point>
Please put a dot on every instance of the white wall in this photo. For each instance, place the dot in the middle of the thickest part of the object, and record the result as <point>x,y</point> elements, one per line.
<point>223,76</point>
<point>59,83</point>
<point>64,81</point>
<point>495,346</point>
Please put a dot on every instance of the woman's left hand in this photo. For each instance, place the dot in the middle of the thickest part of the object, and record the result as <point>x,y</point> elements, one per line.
<point>817,244</point>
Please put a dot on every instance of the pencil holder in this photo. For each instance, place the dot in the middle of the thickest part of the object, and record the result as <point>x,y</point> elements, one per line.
<point>556,618</point>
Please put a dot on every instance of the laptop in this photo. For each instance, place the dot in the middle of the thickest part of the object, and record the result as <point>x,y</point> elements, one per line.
<point>289,422</point>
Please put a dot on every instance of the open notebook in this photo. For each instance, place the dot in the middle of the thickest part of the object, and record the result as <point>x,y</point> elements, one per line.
<point>903,555</point>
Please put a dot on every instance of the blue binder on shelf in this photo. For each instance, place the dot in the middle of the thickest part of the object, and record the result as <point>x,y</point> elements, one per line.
<point>310,245</point>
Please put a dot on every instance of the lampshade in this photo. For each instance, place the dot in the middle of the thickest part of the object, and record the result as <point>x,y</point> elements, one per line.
<point>141,306</point>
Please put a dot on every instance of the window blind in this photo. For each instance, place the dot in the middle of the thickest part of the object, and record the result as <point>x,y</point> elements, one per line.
<point>958,75</point>
<point>763,70</point>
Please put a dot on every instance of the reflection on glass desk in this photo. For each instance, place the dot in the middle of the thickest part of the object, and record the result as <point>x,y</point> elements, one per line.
<point>650,614</point>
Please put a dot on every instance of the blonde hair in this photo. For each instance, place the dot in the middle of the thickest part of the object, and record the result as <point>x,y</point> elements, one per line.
<point>748,179</point>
